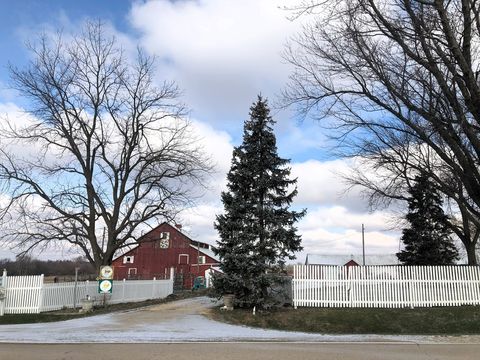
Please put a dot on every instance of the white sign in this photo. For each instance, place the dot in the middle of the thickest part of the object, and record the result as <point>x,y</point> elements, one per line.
<point>106,272</point>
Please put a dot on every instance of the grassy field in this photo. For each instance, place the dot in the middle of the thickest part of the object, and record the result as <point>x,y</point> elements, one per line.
<point>444,320</point>
<point>68,314</point>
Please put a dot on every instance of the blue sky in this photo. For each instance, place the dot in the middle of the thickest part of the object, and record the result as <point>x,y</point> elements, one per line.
<point>222,53</point>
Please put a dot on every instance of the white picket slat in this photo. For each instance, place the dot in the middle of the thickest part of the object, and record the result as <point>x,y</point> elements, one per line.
<point>28,294</point>
<point>385,286</point>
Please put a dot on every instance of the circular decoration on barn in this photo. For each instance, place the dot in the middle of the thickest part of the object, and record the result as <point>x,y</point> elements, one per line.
<point>164,243</point>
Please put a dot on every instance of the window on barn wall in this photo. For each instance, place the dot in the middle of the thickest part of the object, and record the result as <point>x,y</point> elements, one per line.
<point>201,259</point>
<point>163,241</point>
<point>132,272</point>
<point>128,259</point>
<point>183,259</point>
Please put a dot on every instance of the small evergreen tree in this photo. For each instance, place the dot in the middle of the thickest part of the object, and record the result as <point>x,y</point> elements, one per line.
<point>257,232</point>
<point>427,241</point>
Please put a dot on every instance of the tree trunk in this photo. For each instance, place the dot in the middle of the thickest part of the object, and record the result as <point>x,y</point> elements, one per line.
<point>472,256</point>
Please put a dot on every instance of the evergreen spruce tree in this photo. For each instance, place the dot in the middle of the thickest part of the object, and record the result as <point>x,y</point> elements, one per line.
<point>257,232</point>
<point>427,241</point>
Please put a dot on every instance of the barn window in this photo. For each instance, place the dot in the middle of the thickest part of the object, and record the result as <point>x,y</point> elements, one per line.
<point>165,235</point>
<point>183,259</point>
<point>128,259</point>
<point>201,259</point>
<point>132,272</point>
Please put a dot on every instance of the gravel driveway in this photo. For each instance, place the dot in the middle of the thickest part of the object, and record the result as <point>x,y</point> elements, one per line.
<point>179,321</point>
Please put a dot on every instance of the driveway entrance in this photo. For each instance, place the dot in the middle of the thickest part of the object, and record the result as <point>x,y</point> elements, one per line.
<point>179,321</point>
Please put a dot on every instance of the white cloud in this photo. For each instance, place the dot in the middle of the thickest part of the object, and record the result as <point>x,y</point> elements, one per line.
<point>338,217</point>
<point>332,224</point>
<point>198,221</point>
<point>335,230</point>
<point>223,52</point>
<point>328,230</point>
<point>217,145</point>
<point>15,115</point>
<point>320,183</point>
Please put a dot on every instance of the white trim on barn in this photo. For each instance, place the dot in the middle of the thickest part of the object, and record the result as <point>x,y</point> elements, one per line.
<point>180,256</point>
<point>128,259</point>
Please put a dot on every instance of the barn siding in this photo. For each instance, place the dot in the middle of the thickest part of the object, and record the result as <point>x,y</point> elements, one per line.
<point>150,261</point>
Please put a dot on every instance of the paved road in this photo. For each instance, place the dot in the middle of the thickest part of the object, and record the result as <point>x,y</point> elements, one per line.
<point>180,321</point>
<point>239,351</point>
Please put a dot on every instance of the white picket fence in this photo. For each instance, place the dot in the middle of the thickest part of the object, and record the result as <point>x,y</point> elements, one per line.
<point>385,286</point>
<point>29,294</point>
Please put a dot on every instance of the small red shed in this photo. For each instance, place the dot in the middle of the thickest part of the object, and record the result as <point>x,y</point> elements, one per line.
<point>161,249</point>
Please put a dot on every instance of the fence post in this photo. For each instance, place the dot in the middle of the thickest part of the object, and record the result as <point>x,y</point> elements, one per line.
<point>4,290</point>
<point>294,286</point>
<point>172,279</point>
<point>153,287</point>
<point>87,295</point>
<point>123,290</point>
<point>349,291</point>
<point>40,297</point>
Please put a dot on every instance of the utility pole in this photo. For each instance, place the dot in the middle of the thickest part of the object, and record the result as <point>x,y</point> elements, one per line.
<point>363,244</point>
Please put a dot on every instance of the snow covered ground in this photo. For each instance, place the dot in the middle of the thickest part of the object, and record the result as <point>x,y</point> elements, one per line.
<point>180,321</point>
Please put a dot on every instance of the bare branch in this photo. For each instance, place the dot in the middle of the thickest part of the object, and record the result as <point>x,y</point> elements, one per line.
<point>113,149</point>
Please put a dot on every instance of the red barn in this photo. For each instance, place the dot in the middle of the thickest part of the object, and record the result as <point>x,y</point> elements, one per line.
<point>161,249</point>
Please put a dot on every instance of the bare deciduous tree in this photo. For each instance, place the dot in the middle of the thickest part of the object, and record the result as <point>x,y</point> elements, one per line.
<point>112,151</point>
<point>386,171</point>
<point>381,68</point>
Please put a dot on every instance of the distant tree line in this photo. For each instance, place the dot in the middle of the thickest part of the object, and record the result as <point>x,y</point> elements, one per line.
<point>26,265</point>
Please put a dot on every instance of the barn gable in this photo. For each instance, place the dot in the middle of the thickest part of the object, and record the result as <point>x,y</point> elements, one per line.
<point>161,249</point>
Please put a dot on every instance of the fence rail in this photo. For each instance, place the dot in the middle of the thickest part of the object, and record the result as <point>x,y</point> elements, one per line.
<point>29,294</point>
<point>385,286</point>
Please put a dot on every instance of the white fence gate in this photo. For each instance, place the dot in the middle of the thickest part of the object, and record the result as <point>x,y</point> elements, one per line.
<point>23,294</point>
<point>28,294</point>
<point>385,286</point>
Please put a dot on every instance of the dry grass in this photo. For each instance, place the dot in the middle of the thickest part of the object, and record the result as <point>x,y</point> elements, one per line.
<point>442,320</point>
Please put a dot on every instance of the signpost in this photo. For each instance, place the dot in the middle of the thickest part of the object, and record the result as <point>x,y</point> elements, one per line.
<point>105,286</point>
<point>106,272</point>
<point>105,280</point>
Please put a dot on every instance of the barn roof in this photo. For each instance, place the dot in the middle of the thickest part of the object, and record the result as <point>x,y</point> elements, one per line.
<point>133,246</point>
<point>340,260</point>
<point>207,252</point>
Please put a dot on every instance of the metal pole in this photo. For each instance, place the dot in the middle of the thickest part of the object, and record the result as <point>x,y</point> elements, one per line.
<point>363,244</point>
<point>198,258</point>
<point>75,289</point>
